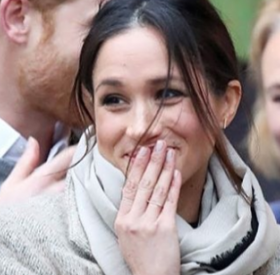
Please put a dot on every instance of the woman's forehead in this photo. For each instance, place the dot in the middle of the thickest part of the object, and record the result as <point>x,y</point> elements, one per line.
<point>141,53</point>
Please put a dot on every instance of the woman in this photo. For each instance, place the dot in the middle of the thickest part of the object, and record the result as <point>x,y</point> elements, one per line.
<point>163,89</point>
<point>264,148</point>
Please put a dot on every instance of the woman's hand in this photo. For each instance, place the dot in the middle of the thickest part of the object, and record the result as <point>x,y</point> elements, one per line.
<point>145,224</point>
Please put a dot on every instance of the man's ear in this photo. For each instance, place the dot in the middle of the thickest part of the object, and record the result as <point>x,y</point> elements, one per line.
<point>14,19</point>
<point>231,102</point>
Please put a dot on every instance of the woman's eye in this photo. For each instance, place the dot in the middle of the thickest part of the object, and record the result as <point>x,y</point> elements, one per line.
<point>276,99</point>
<point>112,100</point>
<point>169,94</point>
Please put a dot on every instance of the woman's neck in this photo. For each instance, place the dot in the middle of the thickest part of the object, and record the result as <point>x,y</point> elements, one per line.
<point>190,197</point>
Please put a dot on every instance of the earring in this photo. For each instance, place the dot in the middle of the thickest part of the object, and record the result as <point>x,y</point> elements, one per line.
<point>225,123</point>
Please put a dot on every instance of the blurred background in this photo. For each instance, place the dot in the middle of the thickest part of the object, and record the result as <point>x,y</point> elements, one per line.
<point>239,16</point>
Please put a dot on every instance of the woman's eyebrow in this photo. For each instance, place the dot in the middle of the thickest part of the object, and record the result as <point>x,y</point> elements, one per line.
<point>162,80</point>
<point>109,82</point>
<point>113,82</point>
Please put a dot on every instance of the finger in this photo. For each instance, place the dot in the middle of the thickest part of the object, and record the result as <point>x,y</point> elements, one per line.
<point>171,204</point>
<point>48,187</point>
<point>55,188</point>
<point>27,163</point>
<point>58,166</point>
<point>150,178</point>
<point>131,185</point>
<point>162,187</point>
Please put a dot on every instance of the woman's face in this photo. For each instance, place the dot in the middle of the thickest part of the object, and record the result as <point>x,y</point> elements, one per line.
<point>271,81</point>
<point>129,79</point>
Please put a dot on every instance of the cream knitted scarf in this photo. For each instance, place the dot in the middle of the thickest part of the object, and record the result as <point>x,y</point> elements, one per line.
<point>232,238</point>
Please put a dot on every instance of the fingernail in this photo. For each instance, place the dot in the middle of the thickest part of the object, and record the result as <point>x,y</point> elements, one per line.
<point>170,155</point>
<point>159,146</point>
<point>143,151</point>
<point>30,143</point>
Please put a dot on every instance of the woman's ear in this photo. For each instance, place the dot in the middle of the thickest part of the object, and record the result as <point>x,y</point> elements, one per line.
<point>231,101</point>
<point>14,19</point>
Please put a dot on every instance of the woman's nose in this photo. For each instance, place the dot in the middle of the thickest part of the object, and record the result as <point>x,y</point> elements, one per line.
<point>144,122</point>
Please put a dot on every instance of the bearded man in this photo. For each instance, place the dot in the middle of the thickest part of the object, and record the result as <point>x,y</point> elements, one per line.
<point>40,46</point>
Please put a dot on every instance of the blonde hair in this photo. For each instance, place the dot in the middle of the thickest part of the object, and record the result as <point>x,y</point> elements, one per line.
<point>47,5</point>
<point>263,151</point>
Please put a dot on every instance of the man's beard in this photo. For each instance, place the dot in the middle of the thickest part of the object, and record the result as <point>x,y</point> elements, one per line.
<point>46,82</point>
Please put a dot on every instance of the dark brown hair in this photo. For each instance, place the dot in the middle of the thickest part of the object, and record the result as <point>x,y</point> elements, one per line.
<point>196,40</point>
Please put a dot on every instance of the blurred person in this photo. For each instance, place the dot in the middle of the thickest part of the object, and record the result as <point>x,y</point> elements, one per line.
<point>264,138</point>
<point>40,45</point>
<point>160,180</point>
